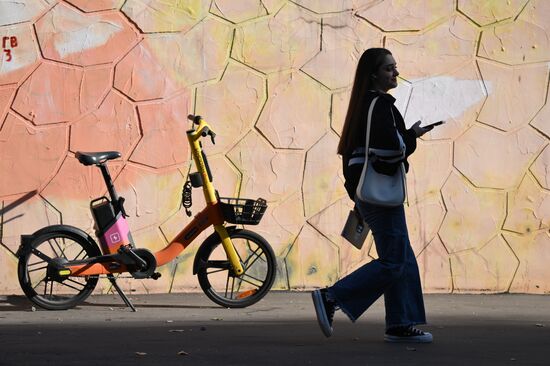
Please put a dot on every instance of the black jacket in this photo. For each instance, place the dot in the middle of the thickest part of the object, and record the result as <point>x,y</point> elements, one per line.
<point>382,136</point>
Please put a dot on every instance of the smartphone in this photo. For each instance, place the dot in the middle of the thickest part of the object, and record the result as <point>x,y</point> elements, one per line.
<point>434,124</point>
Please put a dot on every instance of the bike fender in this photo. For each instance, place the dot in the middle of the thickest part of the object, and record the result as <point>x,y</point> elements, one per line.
<point>211,240</point>
<point>26,240</point>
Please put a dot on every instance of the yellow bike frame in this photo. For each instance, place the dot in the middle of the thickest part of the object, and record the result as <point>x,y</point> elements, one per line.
<point>210,192</point>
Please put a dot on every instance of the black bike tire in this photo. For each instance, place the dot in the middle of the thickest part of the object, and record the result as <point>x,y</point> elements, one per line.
<point>91,250</point>
<point>260,293</point>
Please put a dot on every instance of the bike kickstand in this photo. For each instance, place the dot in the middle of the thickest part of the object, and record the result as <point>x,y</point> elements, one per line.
<point>120,292</point>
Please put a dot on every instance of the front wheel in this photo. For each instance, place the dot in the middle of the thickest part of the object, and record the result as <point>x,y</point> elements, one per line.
<point>39,278</point>
<point>222,285</point>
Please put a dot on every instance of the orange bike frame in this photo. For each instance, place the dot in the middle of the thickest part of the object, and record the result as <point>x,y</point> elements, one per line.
<point>211,215</point>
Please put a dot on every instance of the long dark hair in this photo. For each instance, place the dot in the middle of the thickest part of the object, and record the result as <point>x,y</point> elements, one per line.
<point>368,64</point>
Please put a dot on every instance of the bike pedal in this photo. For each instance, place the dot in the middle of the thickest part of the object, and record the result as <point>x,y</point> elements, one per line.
<point>156,276</point>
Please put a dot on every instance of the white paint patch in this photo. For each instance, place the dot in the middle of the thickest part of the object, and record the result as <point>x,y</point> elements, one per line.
<point>442,98</point>
<point>82,33</point>
<point>92,36</point>
<point>12,12</point>
<point>402,94</point>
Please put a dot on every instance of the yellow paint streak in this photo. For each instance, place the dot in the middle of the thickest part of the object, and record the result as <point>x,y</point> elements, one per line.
<point>181,9</point>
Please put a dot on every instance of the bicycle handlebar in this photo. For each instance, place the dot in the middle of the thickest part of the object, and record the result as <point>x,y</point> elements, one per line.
<point>203,128</point>
<point>196,119</point>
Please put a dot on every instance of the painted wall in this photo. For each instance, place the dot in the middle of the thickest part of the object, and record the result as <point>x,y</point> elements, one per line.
<point>273,79</point>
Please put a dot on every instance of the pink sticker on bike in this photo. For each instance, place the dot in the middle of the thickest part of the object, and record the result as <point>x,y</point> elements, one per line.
<point>117,234</point>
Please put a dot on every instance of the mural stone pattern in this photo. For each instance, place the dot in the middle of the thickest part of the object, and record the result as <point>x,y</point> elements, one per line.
<point>273,77</point>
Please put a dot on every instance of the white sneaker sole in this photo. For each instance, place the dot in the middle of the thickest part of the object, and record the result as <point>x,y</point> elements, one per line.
<point>321,313</point>
<point>426,338</point>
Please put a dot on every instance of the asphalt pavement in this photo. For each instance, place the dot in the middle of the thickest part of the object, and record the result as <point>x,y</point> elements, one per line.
<point>188,329</point>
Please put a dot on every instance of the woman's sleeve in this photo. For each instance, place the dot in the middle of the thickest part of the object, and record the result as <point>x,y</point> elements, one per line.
<point>352,175</point>
<point>409,138</point>
<point>383,133</point>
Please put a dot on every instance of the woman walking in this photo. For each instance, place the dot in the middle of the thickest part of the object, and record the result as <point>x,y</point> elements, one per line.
<point>395,273</point>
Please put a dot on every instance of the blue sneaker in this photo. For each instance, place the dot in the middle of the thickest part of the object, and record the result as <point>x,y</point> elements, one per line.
<point>324,309</point>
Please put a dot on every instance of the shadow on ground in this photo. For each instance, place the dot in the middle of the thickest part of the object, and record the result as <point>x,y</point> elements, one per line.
<point>459,342</point>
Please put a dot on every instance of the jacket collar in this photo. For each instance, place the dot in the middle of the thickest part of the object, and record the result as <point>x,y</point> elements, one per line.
<point>386,96</point>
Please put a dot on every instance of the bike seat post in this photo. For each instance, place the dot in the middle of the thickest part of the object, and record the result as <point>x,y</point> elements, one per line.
<point>110,185</point>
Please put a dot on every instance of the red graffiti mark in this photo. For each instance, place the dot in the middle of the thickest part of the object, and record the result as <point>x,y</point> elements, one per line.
<point>9,42</point>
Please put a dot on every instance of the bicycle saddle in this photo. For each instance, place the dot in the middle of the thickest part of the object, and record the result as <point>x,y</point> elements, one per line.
<point>96,158</point>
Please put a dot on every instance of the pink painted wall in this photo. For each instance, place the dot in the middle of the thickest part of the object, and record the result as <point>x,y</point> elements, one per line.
<point>273,79</point>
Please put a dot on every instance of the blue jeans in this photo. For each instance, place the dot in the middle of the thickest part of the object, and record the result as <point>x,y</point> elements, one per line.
<point>394,274</point>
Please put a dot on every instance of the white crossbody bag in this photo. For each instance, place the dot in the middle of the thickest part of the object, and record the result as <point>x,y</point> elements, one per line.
<point>380,189</point>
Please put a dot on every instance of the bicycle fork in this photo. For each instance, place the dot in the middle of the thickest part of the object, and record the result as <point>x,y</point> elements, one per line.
<point>230,251</point>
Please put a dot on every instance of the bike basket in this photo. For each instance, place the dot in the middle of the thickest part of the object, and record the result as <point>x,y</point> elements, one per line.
<point>243,211</point>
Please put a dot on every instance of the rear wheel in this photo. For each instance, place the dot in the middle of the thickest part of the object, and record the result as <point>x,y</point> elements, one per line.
<point>39,277</point>
<point>222,286</point>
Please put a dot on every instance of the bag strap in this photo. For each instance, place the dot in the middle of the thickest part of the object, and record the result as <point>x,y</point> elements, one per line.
<point>364,171</point>
<point>393,118</point>
<point>369,118</point>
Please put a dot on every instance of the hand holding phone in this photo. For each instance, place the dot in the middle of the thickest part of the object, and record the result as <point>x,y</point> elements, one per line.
<point>421,130</point>
<point>432,125</point>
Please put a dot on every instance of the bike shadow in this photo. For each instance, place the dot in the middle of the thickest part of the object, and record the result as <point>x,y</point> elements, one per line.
<point>15,303</point>
<point>21,303</point>
<point>148,305</point>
